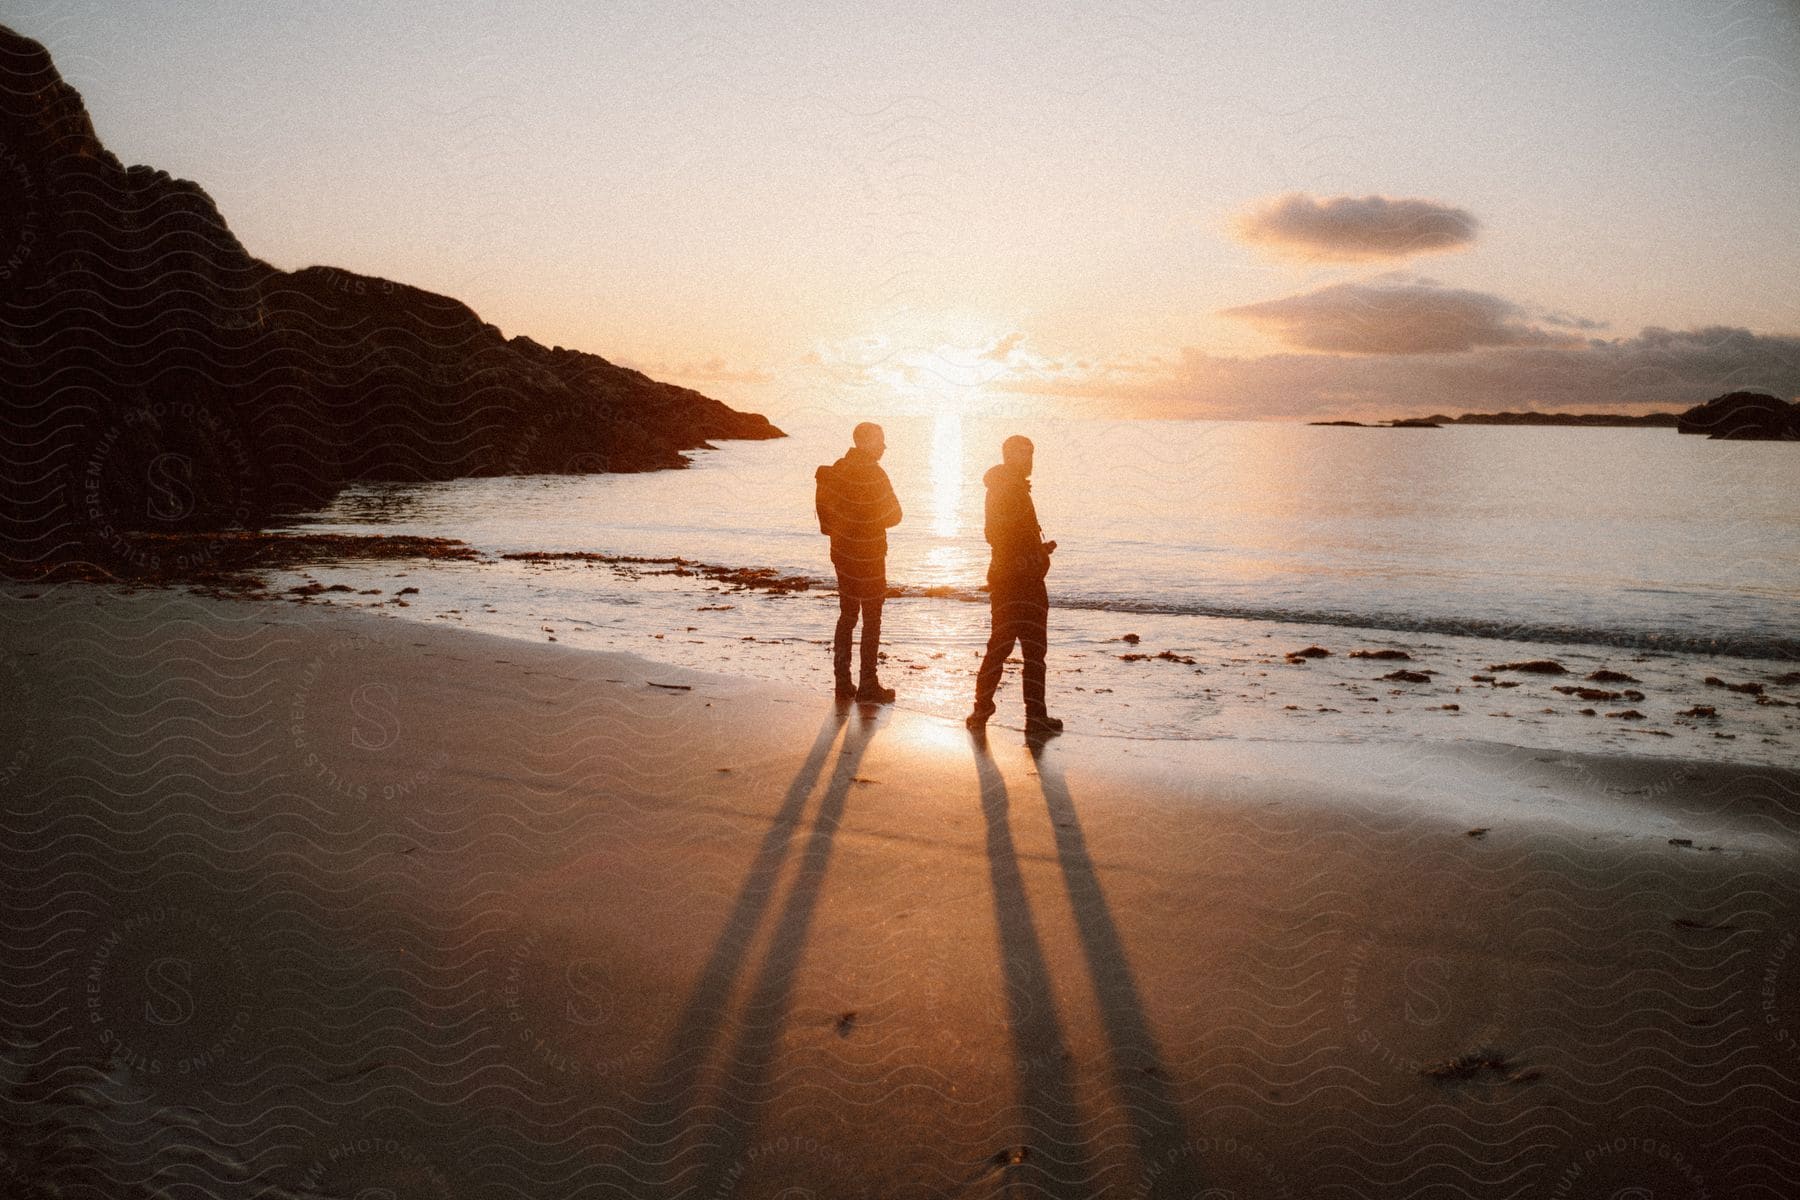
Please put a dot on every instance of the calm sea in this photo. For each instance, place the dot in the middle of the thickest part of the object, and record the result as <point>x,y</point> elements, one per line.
<point>1607,537</point>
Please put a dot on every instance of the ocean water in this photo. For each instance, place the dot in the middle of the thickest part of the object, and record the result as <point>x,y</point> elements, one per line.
<point>1228,542</point>
<point>1620,536</point>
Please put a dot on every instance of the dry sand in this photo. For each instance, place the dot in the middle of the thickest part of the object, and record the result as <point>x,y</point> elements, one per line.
<point>308,902</point>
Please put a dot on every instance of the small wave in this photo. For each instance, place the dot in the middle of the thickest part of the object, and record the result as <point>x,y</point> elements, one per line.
<point>1783,649</point>
<point>1666,641</point>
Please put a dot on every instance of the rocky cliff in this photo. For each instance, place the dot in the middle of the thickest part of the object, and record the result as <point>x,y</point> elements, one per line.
<point>1744,417</point>
<point>156,376</point>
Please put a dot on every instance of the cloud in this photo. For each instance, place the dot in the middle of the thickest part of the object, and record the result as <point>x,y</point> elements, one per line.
<point>999,351</point>
<point>1660,368</point>
<point>922,366</point>
<point>1355,228</point>
<point>1396,316</point>
<point>1567,321</point>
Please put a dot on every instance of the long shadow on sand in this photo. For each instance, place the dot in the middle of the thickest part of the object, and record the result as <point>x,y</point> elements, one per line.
<point>750,1062</point>
<point>1139,1076</point>
<point>681,1121</point>
<point>1056,1160</point>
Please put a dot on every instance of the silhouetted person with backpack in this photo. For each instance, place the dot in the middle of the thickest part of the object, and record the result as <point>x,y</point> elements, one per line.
<point>1016,592</point>
<point>857,507</point>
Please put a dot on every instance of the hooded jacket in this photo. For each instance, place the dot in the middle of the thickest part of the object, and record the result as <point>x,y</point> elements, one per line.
<point>862,506</point>
<point>1012,528</point>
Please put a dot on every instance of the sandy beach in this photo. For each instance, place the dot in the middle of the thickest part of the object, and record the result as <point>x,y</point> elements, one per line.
<point>451,449</point>
<point>304,901</point>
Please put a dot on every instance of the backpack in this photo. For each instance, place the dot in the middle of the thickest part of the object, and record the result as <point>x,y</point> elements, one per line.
<point>828,499</point>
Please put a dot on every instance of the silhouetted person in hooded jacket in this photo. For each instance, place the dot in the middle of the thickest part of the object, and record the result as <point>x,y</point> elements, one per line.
<point>857,507</point>
<point>1016,592</point>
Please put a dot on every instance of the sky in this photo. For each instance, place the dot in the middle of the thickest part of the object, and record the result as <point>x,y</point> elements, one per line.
<point>1286,210</point>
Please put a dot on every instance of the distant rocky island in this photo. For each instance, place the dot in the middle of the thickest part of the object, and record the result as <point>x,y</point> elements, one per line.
<point>1744,416</point>
<point>1736,416</point>
<point>1439,420</point>
<point>160,378</point>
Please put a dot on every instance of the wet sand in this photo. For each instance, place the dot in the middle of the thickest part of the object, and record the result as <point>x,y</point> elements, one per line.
<point>1183,677</point>
<point>303,901</point>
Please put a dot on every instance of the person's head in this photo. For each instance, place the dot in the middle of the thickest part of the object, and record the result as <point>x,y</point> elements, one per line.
<point>1015,451</point>
<point>869,439</point>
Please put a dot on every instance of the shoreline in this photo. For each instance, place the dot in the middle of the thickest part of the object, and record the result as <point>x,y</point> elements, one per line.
<point>1653,641</point>
<point>237,563</point>
<point>1182,677</point>
<point>475,915</point>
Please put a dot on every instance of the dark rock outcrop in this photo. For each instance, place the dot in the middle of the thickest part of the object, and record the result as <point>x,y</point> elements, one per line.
<point>1657,420</point>
<point>1660,420</point>
<point>1741,416</point>
<point>158,377</point>
<point>1744,416</point>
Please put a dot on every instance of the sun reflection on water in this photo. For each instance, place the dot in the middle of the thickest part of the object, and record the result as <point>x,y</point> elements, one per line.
<point>948,558</point>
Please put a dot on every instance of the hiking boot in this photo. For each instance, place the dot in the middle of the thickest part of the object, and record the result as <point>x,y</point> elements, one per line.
<point>871,692</point>
<point>846,690</point>
<point>977,720</point>
<point>1043,723</point>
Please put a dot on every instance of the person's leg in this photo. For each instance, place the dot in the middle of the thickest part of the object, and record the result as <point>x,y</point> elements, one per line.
<point>848,608</point>
<point>1034,641</point>
<point>871,649</point>
<point>993,664</point>
<point>866,581</point>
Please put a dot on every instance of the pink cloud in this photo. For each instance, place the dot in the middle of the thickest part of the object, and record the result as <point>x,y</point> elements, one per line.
<point>1396,317</point>
<point>1355,228</point>
<point>1659,368</point>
